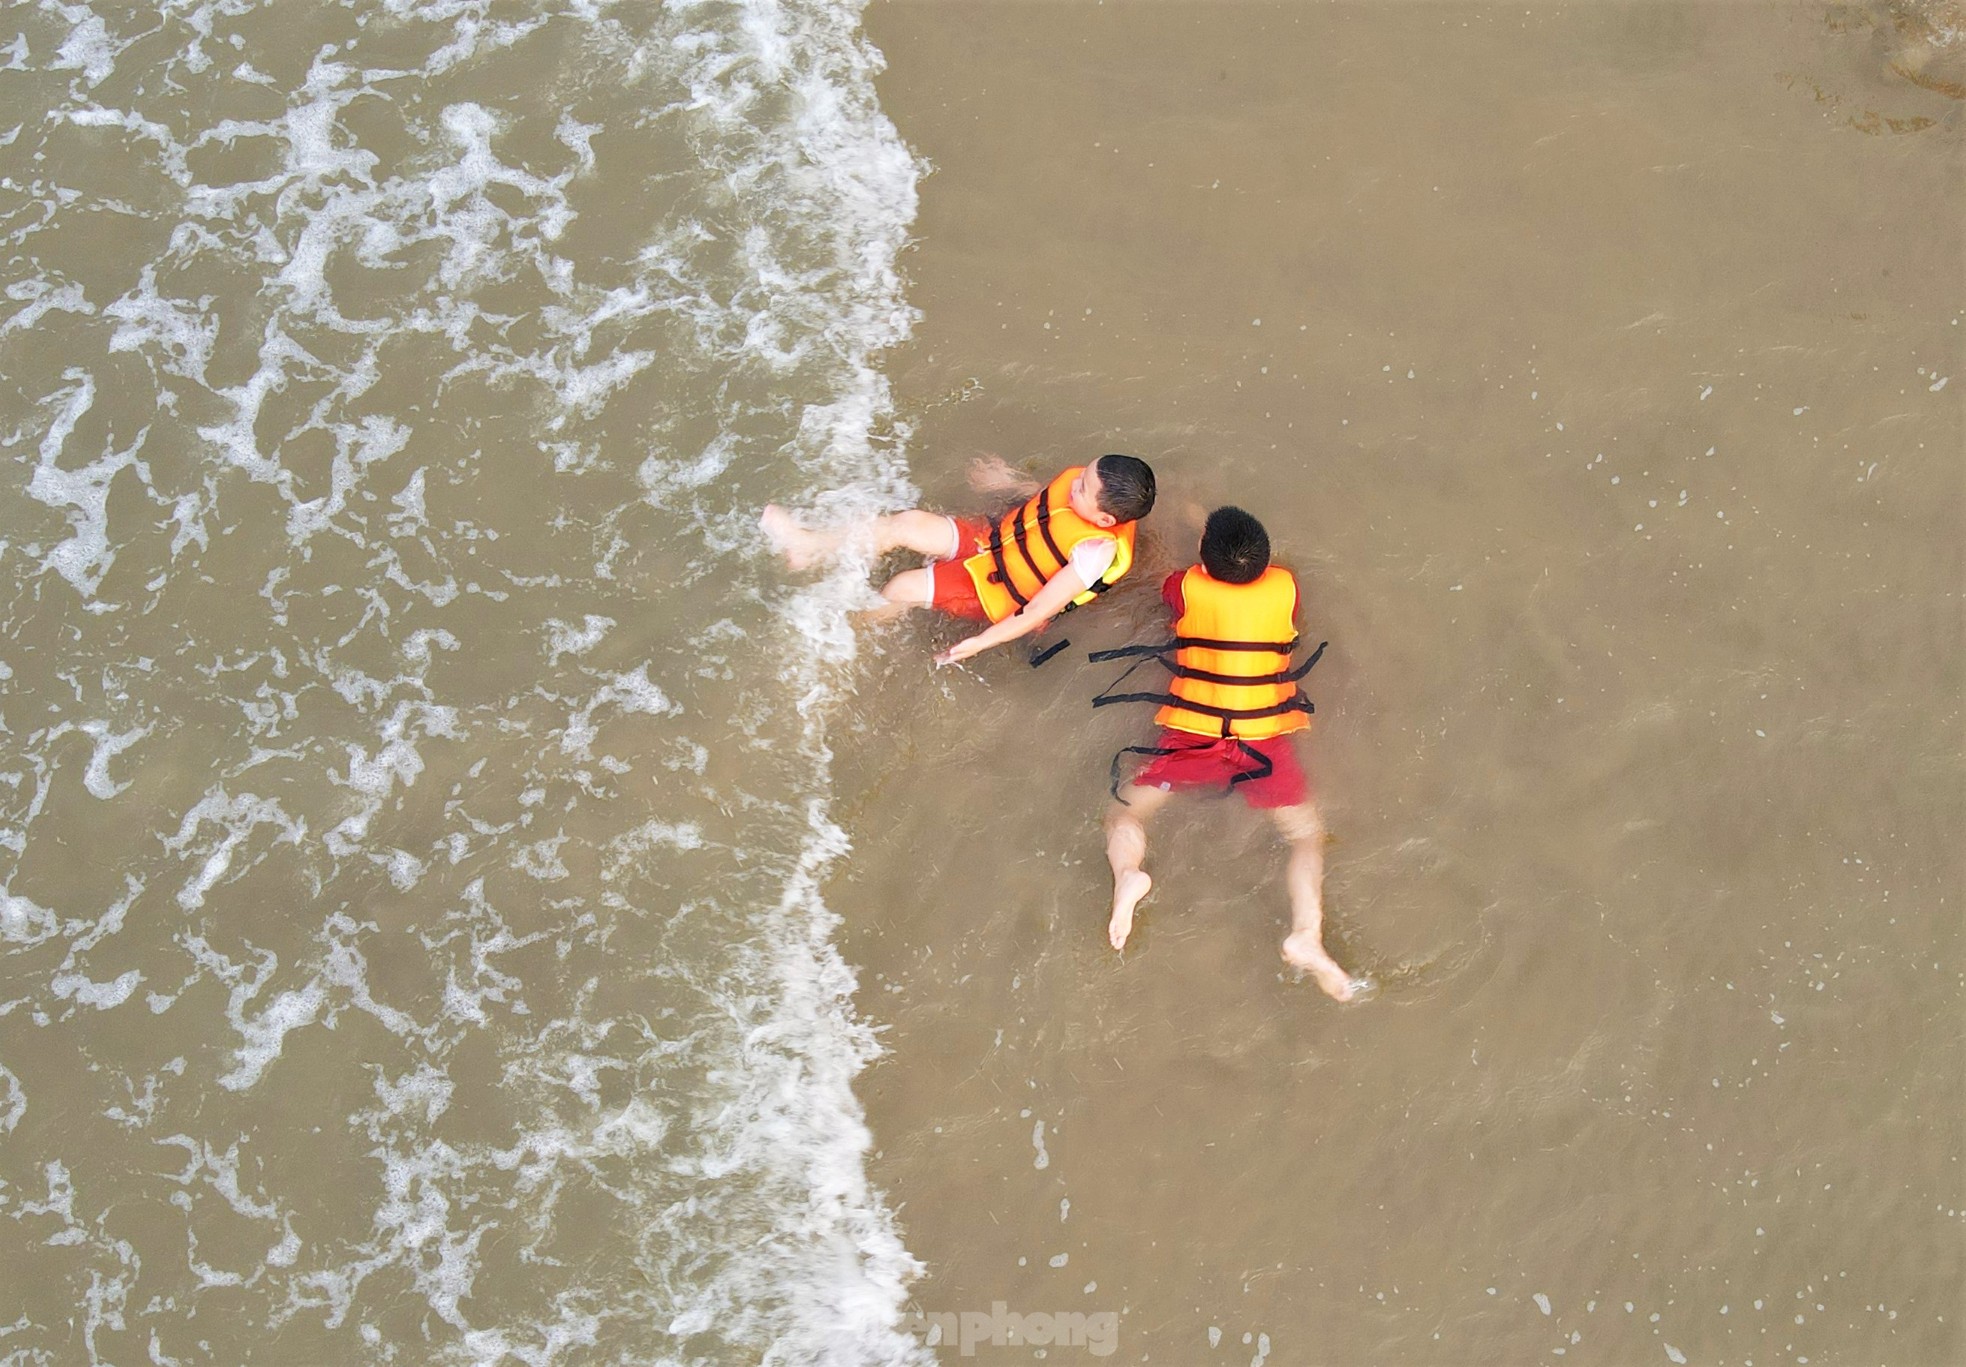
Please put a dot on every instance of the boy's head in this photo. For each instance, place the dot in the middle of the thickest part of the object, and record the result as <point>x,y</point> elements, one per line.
<point>1114,489</point>
<point>1234,547</point>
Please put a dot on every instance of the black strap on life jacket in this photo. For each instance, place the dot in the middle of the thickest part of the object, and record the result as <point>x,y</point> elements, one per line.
<point>997,546</point>
<point>1022,538</point>
<point>1002,575</point>
<point>1023,542</point>
<point>1050,542</point>
<point>1164,656</point>
<point>1199,642</point>
<point>1098,586</point>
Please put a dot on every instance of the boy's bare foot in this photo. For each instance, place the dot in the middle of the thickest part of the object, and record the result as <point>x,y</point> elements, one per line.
<point>1305,951</point>
<point>1126,896</point>
<point>800,547</point>
<point>992,474</point>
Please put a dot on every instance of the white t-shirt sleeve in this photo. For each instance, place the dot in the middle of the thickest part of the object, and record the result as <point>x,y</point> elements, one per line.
<point>1092,557</point>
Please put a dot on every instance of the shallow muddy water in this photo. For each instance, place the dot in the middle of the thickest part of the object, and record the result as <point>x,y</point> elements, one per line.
<point>1590,368</point>
<point>462,900</point>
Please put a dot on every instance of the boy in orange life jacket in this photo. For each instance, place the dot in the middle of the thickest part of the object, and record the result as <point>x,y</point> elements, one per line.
<point>1221,732</point>
<point>1068,542</point>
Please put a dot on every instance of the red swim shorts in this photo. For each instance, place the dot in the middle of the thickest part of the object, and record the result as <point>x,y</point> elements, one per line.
<point>1209,762</point>
<point>955,591</point>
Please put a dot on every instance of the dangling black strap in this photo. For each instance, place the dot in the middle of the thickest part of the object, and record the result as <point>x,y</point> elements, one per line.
<point>1109,696</point>
<point>1296,703</point>
<point>1264,767</point>
<point>1038,657</point>
<point>1123,652</point>
<point>1107,699</point>
<point>1135,750</point>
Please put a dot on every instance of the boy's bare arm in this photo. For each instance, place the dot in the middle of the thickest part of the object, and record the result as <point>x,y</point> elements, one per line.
<point>993,474</point>
<point>1049,601</point>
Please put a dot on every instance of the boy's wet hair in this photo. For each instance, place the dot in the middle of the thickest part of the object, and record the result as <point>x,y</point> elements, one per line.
<point>1126,487</point>
<point>1234,547</point>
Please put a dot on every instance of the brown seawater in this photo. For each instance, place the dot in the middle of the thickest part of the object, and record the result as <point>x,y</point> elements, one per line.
<point>1597,369</point>
<point>439,841</point>
<point>416,782</point>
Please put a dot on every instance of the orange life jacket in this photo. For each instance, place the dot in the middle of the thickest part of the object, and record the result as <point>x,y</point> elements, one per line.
<point>1033,543</point>
<point>1230,658</point>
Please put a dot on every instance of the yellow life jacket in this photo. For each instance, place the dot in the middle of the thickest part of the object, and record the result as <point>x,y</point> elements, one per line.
<point>1230,658</point>
<point>1033,543</point>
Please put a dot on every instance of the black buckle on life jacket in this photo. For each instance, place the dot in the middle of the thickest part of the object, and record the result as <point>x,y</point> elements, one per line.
<point>1002,575</point>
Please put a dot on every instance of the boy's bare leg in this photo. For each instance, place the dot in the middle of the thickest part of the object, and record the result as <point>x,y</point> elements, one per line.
<point>1126,851</point>
<point>908,589</point>
<point>803,547</point>
<point>1304,947</point>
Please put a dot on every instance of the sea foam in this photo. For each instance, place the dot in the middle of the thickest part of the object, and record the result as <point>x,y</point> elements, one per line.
<point>336,806</point>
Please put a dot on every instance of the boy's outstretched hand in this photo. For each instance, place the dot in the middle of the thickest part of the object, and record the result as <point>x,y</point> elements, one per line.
<point>1046,604</point>
<point>962,650</point>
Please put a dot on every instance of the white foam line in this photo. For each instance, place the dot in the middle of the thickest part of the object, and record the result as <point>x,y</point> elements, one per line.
<point>82,494</point>
<point>628,693</point>
<point>43,299</point>
<point>102,996</point>
<point>25,922</point>
<point>396,760</point>
<point>13,1100</point>
<point>109,744</point>
<point>237,816</point>
<point>813,1120</point>
<point>859,181</point>
<point>565,639</point>
<point>87,48</point>
<point>831,1265</point>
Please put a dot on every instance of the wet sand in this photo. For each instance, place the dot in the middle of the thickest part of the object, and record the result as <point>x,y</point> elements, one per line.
<point>1590,368</point>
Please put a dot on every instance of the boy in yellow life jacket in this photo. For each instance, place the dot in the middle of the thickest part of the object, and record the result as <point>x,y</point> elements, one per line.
<point>1065,544</point>
<point>1227,715</point>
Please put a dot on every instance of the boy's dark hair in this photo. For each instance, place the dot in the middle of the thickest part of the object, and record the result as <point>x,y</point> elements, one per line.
<point>1126,487</point>
<point>1234,547</point>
